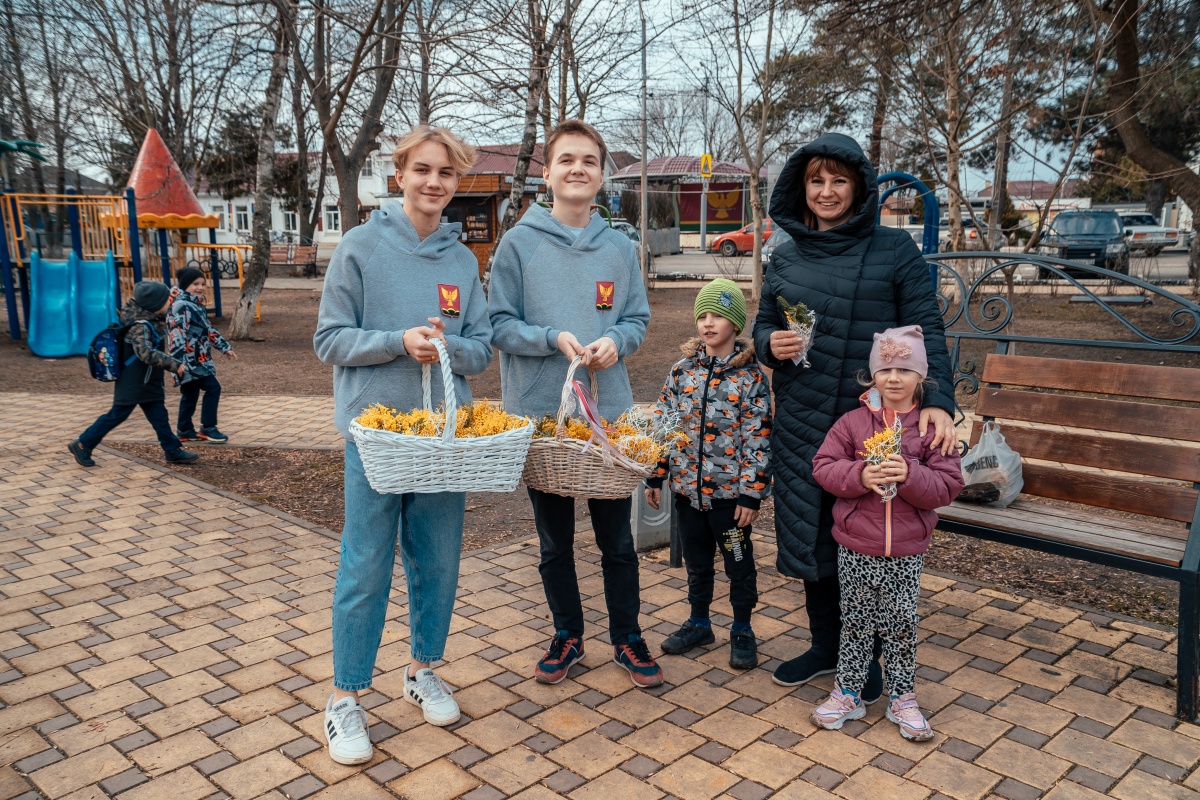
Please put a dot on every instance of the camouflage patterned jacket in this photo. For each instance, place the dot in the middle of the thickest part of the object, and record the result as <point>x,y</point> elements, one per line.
<point>728,398</point>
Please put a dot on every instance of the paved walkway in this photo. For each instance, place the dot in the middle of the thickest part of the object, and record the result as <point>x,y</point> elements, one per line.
<point>158,640</point>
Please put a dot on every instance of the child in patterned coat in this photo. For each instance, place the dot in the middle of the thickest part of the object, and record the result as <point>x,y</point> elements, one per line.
<point>719,478</point>
<point>883,522</point>
<point>191,340</point>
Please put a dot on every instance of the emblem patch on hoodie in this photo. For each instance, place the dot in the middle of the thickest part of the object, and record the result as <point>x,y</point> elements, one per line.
<point>449,302</point>
<point>604,295</point>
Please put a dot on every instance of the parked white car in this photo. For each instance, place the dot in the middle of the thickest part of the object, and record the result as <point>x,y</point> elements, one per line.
<point>1146,236</point>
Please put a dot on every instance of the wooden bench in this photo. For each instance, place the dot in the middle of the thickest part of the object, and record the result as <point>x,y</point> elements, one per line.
<point>1094,410</point>
<point>301,258</point>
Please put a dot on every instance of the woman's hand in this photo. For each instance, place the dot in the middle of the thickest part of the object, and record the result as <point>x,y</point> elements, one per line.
<point>943,425</point>
<point>417,341</point>
<point>604,353</point>
<point>571,347</point>
<point>785,345</point>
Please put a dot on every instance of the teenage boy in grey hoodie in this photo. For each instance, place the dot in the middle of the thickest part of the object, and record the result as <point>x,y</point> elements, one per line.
<point>394,284</point>
<point>564,283</point>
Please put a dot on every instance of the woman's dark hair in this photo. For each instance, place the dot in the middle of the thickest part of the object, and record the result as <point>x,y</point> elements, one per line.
<point>837,167</point>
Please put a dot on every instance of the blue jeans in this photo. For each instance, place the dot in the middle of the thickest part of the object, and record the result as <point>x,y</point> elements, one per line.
<point>430,529</point>
<point>189,393</point>
<point>156,415</point>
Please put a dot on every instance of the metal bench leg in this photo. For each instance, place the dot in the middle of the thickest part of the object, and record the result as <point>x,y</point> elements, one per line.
<point>1189,647</point>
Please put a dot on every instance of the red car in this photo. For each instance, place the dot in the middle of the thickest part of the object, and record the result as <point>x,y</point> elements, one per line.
<point>740,241</point>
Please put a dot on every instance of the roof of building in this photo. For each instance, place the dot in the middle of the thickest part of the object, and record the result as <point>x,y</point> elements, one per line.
<point>501,159</point>
<point>1035,190</point>
<point>623,158</point>
<point>24,181</point>
<point>681,167</point>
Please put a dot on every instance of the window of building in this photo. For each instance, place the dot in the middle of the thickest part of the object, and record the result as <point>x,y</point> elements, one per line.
<point>241,218</point>
<point>333,218</point>
<point>220,212</point>
<point>290,222</point>
<point>368,168</point>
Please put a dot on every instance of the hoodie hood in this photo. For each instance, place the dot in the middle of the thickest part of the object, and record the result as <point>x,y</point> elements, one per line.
<point>788,201</point>
<point>591,238</point>
<point>393,226</point>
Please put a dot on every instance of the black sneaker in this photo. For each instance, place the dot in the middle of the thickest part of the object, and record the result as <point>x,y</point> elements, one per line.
<point>743,650</point>
<point>688,636</point>
<point>181,456</point>
<point>213,435</point>
<point>83,456</point>
<point>805,667</point>
<point>873,689</point>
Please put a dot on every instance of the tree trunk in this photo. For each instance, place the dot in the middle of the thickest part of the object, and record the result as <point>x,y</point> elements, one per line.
<point>1123,99</point>
<point>1156,196</point>
<point>953,154</point>
<point>538,62</point>
<point>1003,147</point>
<point>883,91</point>
<point>305,219</point>
<point>256,274</point>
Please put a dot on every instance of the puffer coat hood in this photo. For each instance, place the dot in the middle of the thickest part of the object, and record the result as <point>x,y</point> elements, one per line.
<point>859,279</point>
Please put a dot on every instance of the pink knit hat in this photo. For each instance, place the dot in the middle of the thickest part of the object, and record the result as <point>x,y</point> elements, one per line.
<point>900,347</point>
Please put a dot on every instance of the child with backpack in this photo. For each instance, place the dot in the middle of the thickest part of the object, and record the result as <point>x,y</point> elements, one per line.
<point>719,478</point>
<point>139,365</point>
<point>888,483</point>
<point>191,340</point>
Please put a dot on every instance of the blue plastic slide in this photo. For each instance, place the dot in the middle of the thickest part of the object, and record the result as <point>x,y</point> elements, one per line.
<point>70,302</point>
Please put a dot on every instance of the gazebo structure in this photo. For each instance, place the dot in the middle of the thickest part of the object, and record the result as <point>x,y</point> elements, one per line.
<point>167,205</point>
<point>679,176</point>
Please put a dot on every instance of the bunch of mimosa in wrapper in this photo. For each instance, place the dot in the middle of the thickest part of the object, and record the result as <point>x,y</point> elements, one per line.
<point>802,322</point>
<point>877,449</point>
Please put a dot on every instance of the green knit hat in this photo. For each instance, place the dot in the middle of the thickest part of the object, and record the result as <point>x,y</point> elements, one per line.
<point>723,297</point>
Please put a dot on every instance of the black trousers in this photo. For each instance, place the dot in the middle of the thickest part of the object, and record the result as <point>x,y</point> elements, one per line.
<point>554,516</point>
<point>701,532</point>
<point>189,393</point>
<point>156,414</point>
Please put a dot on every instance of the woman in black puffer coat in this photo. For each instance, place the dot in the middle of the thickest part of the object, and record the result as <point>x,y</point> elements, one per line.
<point>859,278</point>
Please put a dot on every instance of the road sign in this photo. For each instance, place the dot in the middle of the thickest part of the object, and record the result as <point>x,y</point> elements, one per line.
<point>706,166</point>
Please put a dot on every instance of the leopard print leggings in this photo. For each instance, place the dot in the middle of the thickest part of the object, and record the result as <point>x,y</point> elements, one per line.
<point>879,595</point>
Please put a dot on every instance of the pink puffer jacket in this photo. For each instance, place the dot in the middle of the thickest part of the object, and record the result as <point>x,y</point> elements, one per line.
<point>861,520</point>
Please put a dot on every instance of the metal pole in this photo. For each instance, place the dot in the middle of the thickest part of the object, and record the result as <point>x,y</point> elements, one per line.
<point>73,222</point>
<point>214,272</point>
<point>703,215</point>
<point>6,268</point>
<point>165,254</point>
<point>135,243</point>
<point>645,196</point>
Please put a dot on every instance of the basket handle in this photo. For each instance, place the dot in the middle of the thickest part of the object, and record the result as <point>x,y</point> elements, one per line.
<point>568,389</point>
<point>451,425</point>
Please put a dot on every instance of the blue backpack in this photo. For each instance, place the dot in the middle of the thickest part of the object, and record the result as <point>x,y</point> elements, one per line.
<point>104,353</point>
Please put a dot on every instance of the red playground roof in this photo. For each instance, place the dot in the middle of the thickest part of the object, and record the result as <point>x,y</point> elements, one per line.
<point>164,198</point>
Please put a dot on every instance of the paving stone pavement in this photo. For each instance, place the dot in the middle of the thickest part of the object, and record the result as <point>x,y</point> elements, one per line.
<point>161,641</point>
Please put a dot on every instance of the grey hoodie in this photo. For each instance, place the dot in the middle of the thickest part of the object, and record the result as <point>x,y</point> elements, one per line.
<point>546,280</point>
<point>381,281</point>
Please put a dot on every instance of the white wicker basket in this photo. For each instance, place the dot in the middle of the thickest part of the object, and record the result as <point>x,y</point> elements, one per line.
<point>396,463</point>
<point>575,468</point>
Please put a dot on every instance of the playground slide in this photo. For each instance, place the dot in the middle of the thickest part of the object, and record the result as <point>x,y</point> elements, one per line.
<point>70,302</point>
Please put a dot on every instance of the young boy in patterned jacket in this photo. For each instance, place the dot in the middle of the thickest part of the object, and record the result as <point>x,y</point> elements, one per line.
<point>191,340</point>
<point>721,399</point>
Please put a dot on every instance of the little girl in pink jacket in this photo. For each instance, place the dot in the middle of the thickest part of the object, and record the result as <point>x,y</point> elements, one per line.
<point>883,521</point>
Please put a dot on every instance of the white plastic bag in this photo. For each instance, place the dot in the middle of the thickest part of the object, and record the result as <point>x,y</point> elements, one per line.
<point>992,470</point>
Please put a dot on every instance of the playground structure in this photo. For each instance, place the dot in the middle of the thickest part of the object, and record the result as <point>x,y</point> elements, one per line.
<point>150,231</point>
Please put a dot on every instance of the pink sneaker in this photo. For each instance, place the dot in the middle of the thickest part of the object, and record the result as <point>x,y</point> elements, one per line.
<point>905,712</point>
<point>834,712</point>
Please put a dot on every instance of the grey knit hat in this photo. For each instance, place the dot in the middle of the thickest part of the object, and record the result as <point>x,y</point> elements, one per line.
<point>151,295</point>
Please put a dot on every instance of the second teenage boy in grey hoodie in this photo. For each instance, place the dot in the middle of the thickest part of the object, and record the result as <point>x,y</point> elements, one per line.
<point>564,283</point>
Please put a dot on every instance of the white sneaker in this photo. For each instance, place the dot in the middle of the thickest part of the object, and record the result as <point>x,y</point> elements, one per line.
<point>346,731</point>
<point>431,694</point>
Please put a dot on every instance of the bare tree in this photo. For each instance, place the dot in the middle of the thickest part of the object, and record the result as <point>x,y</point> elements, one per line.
<point>1125,101</point>
<point>354,55</point>
<point>256,274</point>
